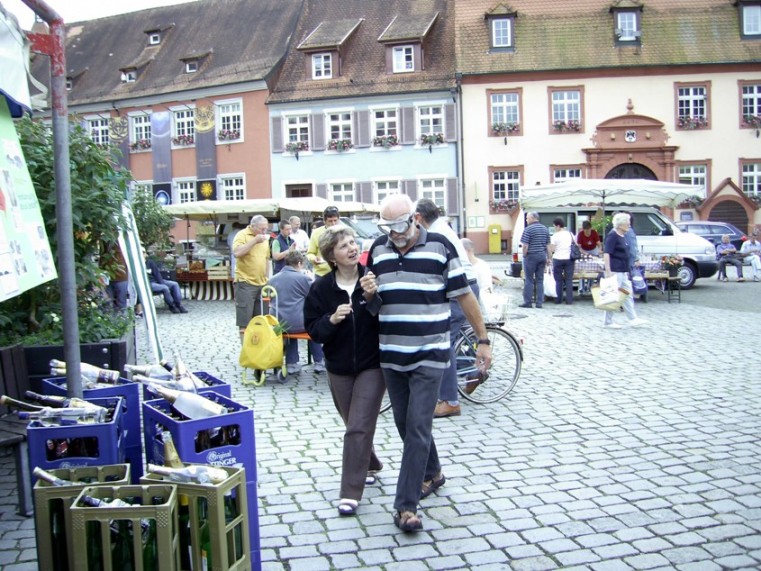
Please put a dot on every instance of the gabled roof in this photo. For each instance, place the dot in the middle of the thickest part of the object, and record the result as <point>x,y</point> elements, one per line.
<point>410,28</point>
<point>330,35</point>
<point>248,38</point>
<point>553,35</point>
<point>363,57</point>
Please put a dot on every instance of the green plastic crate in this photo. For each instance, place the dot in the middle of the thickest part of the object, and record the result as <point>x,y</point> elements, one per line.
<point>230,542</point>
<point>56,553</point>
<point>93,538</point>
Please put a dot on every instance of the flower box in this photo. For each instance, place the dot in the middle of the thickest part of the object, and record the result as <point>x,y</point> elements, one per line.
<point>386,141</point>
<point>691,202</point>
<point>140,145</point>
<point>508,206</point>
<point>228,135</point>
<point>501,129</point>
<point>434,139</point>
<point>340,145</point>
<point>690,123</point>
<point>295,147</point>
<point>183,140</point>
<point>571,126</point>
<point>753,121</point>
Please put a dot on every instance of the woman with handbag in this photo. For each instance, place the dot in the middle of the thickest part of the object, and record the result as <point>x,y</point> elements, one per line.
<point>561,245</point>
<point>616,258</point>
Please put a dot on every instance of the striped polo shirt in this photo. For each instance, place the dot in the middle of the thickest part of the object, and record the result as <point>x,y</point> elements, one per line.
<point>537,237</point>
<point>414,291</point>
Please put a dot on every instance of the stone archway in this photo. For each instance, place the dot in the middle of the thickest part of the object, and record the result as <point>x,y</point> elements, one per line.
<point>631,143</point>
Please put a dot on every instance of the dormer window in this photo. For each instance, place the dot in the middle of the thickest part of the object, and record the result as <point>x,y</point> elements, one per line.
<point>191,66</point>
<point>403,59</point>
<point>322,66</point>
<point>627,21</point>
<point>501,22</point>
<point>750,16</point>
<point>154,38</point>
<point>69,83</point>
<point>129,76</point>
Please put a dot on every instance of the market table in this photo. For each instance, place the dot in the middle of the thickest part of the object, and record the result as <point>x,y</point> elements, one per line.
<point>202,286</point>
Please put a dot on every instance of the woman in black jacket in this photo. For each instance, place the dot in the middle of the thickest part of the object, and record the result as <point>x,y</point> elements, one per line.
<point>335,315</point>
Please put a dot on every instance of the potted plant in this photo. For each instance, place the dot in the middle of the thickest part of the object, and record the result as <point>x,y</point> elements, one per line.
<point>340,145</point>
<point>672,263</point>
<point>502,129</point>
<point>228,134</point>
<point>386,141</point>
<point>691,202</point>
<point>752,121</point>
<point>295,147</point>
<point>571,125</point>
<point>690,123</point>
<point>33,318</point>
<point>183,140</point>
<point>503,205</point>
<point>140,145</point>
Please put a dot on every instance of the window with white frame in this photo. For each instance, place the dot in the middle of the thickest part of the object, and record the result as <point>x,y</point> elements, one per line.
<point>431,121</point>
<point>129,76</point>
<point>186,191</point>
<point>502,33</point>
<point>154,38</point>
<point>322,66</point>
<point>297,129</point>
<point>140,132</point>
<point>342,192</point>
<point>566,109</point>
<point>693,174</point>
<point>751,20</point>
<point>140,187</point>
<point>384,188</point>
<point>506,185</point>
<point>563,174</point>
<point>97,128</point>
<point>627,26</point>
<point>183,126</point>
<point>505,112</point>
<point>339,125</point>
<point>403,58</point>
<point>435,189</point>
<point>691,106</point>
<point>385,122</point>
<point>191,66</point>
<point>751,178</point>
<point>751,105</point>
<point>229,120</point>
<point>232,187</point>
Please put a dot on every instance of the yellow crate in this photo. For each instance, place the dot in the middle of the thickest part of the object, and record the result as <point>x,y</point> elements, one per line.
<point>51,503</point>
<point>92,528</point>
<point>230,540</point>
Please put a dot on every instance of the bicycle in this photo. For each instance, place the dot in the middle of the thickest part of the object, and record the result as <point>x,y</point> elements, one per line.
<point>499,380</point>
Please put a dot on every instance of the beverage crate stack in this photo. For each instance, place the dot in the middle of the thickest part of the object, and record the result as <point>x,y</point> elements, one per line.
<point>226,440</point>
<point>142,534</point>
<point>93,444</point>
<point>214,527</point>
<point>131,393</point>
<point>52,517</point>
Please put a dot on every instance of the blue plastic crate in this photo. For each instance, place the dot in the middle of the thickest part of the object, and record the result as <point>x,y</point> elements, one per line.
<point>215,385</point>
<point>157,418</point>
<point>107,439</point>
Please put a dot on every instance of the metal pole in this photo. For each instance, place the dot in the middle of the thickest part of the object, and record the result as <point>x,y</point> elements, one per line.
<point>64,223</point>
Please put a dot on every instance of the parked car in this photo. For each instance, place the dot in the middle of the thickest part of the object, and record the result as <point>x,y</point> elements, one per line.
<point>713,231</point>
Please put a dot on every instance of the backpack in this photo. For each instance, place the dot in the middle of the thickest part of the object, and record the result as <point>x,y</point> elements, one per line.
<point>262,347</point>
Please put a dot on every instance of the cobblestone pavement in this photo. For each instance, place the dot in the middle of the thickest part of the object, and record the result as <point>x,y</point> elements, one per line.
<point>618,449</point>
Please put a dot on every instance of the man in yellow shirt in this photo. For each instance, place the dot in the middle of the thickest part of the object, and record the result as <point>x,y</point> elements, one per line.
<point>251,248</point>
<point>331,217</point>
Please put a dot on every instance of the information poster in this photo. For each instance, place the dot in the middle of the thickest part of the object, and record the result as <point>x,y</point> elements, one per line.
<point>25,258</point>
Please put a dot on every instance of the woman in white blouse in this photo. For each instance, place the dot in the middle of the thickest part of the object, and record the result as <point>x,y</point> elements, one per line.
<point>562,264</point>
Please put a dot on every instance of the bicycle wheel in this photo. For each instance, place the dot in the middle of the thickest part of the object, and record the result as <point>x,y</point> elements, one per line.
<point>507,359</point>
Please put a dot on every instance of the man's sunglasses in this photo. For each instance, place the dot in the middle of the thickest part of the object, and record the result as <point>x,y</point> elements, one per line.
<point>398,226</point>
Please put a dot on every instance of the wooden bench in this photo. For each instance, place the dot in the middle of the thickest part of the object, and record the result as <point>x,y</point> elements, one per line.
<point>14,382</point>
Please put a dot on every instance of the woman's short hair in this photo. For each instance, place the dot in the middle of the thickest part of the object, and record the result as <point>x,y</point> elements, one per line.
<point>331,237</point>
<point>586,224</point>
<point>620,218</point>
<point>559,222</point>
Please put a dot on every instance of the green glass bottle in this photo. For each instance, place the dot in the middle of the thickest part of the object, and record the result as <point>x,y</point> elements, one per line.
<point>184,523</point>
<point>150,541</point>
<point>234,551</point>
<point>205,535</point>
<point>58,535</point>
<point>94,546</point>
<point>122,555</point>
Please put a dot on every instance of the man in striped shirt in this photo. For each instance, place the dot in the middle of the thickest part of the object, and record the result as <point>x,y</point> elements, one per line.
<point>535,241</point>
<point>412,276</point>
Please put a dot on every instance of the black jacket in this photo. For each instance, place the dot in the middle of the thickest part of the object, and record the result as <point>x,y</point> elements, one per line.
<point>351,346</point>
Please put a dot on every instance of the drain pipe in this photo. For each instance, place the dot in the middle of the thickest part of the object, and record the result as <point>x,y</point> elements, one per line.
<point>52,44</point>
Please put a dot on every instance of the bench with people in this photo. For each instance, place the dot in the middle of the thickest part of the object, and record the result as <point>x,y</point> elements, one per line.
<point>748,255</point>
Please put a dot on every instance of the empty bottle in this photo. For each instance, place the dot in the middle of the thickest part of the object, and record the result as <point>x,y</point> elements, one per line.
<point>172,383</point>
<point>58,401</point>
<point>152,371</point>
<point>46,476</point>
<point>171,457</point>
<point>49,416</point>
<point>90,373</point>
<point>195,473</point>
<point>18,404</point>
<point>190,405</point>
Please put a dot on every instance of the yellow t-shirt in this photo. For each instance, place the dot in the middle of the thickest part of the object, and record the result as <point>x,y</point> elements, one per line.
<point>313,252</point>
<point>252,267</point>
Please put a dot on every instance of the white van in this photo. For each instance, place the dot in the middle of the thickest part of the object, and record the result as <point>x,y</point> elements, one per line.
<point>656,236</point>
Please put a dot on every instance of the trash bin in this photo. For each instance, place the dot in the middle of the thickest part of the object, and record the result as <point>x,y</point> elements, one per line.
<point>495,238</point>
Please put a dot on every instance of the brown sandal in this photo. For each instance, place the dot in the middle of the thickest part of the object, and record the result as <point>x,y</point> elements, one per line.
<point>407,521</point>
<point>430,486</point>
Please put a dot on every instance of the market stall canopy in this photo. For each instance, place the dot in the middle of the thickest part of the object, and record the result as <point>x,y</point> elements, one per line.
<point>608,192</point>
<point>241,210</point>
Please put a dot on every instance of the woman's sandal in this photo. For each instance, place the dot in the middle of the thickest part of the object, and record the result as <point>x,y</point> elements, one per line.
<point>430,486</point>
<point>347,506</point>
<point>407,521</point>
<point>371,478</point>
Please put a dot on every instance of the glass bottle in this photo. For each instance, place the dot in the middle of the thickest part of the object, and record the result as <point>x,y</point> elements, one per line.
<point>204,535</point>
<point>16,404</point>
<point>60,553</point>
<point>150,541</point>
<point>183,514</point>
<point>46,476</point>
<point>171,383</point>
<point>234,551</point>
<point>195,473</point>
<point>58,401</point>
<point>191,405</point>
<point>89,372</point>
<point>152,371</point>
<point>171,456</point>
<point>65,416</point>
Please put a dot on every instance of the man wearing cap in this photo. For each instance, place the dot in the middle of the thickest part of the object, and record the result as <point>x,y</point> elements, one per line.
<point>331,216</point>
<point>251,249</point>
<point>751,250</point>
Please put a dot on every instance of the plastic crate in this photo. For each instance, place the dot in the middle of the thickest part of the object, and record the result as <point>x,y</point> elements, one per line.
<point>131,393</point>
<point>214,385</point>
<point>185,433</point>
<point>53,502</point>
<point>92,536</point>
<point>107,439</point>
<point>231,541</point>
